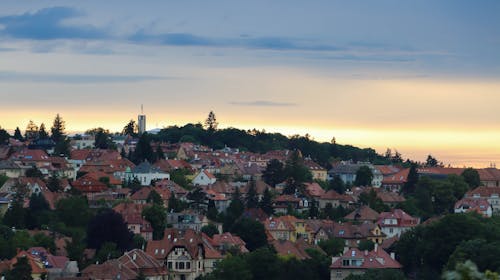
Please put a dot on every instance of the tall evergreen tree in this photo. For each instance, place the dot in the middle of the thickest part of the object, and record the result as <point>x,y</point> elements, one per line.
<point>130,129</point>
<point>143,150</point>
<point>21,270</point>
<point>18,135</point>
<point>159,153</point>
<point>266,204</point>
<point>42,132</point>
<point>212,211</point>
<point>252,198</point>
<point>274,172</point>
<point>211,122</point>
<point>4,136</point>
<point>31,132</point>
<point>59,136</point>
<point>411,181</point>
<point>364,176</point>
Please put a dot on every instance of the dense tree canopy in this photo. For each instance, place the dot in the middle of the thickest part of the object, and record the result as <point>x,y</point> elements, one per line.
<point>364,176</point>
<point>108,226</point>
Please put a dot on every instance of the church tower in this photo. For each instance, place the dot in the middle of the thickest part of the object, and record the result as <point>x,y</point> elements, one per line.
<point>141,121</point>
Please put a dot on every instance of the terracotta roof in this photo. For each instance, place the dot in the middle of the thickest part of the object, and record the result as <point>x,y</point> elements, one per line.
<point>228,239</point>
<point>314,189</point>
<point>138,260</point>
<point>188,239</point>
<point>483,192</point>
<point>330,195</point>
<point>30,155</point>
<point>387,169</point>
<point>109,270</point>
<point>489,174</point>
<point>480,204</point>
<point>403,219</point>
<point>141,194</point>
<point>363,213</point>
<point>397,178</point>
<point>439,171</point>
<point>288,248</point>
<point>37,266</point>
<point>390,197</point>
<point>376,259</point>
<point>87,184</point>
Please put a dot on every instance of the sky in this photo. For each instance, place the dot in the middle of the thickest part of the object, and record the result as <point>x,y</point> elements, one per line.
<point>420,77</point>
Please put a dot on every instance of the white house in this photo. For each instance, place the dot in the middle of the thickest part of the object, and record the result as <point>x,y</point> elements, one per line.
<point>396,222</point>
<point>479,205</point>
<point>347,172</point>
<point>204,178</point>
<point>145,173</point>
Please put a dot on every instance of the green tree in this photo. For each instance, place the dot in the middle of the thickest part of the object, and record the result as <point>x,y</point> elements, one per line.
<point>337,184</point>
<point>212,210</point>
<point>16,215</point>
<point>469,271</point>
<point>313,209</point>
<point>157,216</point>
<point>75,248</point>
<point>252,200</point>
<point>274,172</point>
<point>210,230</point>
<point>263,263</point>
<point>366,244</point>
<point>252,232</point>
<point>211,122</point>
<point>234,211</point>
<point>109,226</point>
<point>431,161</point>
<point>154,198</point>
<point>411,181</point>
<point>102,138</point>
<point>159,153</point>
<point>471,177</point>
<point>143,150</point>
<point>108,251</point>
<point>296,173</point>
<point>230,268</point>
<point>42,132</point>
<point>130,128</point>
<point>4,136</point>
<point>266,204</point>
<point>333,246</point>
<point>73,211</point>
<point>480,251</point>
<point>18,135</point>
<point>53,183</point>
<point>364,176</point>
<point>34,172</point>
<point>197,197</point>
<point>59,136</point>
<point>31,132</point>
<point>21,270</point>
<point>174,205</point>
<point>386,274</point>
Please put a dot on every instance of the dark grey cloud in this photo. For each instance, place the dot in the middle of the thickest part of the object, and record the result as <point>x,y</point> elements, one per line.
<point>9,76</point>
<point>47,24</point>
<point>263,103</point>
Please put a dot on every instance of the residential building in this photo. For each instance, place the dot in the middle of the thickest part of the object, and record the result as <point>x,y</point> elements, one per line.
<point>491,194</point>
<point>204,178</point>
<point>347,172</point>
<point>478,205</point>
<point>396,222</point>
<point>145,173</point>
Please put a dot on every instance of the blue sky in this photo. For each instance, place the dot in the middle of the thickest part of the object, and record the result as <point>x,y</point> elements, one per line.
<point>356,70</point>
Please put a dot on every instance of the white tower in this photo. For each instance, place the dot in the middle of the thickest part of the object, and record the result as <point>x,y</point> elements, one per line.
<point>141,121</point>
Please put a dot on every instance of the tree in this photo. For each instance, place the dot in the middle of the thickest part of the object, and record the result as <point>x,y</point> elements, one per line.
<point>333,246</point>
<point>34,172</point>
<point>107,251</point>
<point>143,150</point>
<point>364,176</point>
<point>197,197</point>
<point>4,136</point>
<point>480,251</point>
<point>234,211</point>
<point>313,209</point>
<point>212,210</point>
<point>431,161</point>
<point>159,153</point>
<point>59,136</point>
<point>274,173</point>
<point>21,270</point>
<point>211,122</point>
<point>154,198</point>
<point>157,216</point>
<point>53,183</point>
<point>252,232</point>
<point>73,211</point>
<point>366,245</point>
<point>210,230</point>
<point>411,181</point>
<point>42,132</point>
<point>471,177</point>
<point>108,226</point>
<point>174,205</point>
<point>337,184</point>
<point>296,172</point>
<point>102,138</point>
<point>469,271</point>
<point>266,204</point>
<point>18,135</point>
<point>233,267</point>
<point>16,215</point>
<point>31,132</point>
<point>130,128</point>
<point>252,200</point>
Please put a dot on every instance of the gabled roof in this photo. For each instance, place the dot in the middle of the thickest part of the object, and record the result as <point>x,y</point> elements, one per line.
<point>397,178</point>
<point>375,259</point>
<point>138,260</point>
<point>287,248</point>
<point>109,270</point>
<point>403,219</point>
<point>314,189</point>
<point>363,213</point>
<point>145,168</point>
<point>484,192</point>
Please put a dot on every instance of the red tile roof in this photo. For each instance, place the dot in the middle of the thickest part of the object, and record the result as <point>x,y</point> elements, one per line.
<point>376,259</point>
<point>139,261</point>
<point>314,189</point>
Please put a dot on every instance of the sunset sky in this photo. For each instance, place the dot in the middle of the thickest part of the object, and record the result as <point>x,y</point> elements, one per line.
<point>422,77</point>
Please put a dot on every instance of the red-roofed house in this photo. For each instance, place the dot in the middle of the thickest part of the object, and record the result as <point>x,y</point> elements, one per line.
<point>479,205</point>
<point>396,222</point>
<point>204,178</point>
<point>314,190</point>
<point>492,194</point>
<point>223,242</point>
<point>89,185</point>
<point>356,262</point>
<point>186,253</point>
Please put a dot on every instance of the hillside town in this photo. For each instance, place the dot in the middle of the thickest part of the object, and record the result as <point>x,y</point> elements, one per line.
<point>132,206</point>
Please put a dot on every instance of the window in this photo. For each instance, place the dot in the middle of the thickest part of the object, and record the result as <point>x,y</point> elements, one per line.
<point>169,265</point>
<point>345,262</point>
<point>188,265</point>
<point>181,265</point>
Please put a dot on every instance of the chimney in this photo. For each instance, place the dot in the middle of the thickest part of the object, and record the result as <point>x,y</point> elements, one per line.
<point>345,249</point>
<point>393,256</point>
<point>366,252</point>
<point>376,247</point>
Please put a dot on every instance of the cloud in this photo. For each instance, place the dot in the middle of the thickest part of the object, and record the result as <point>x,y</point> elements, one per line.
<point>9,76</point>
<point>47,24</point>
<point>270,43</point>
<point>263,103</point>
